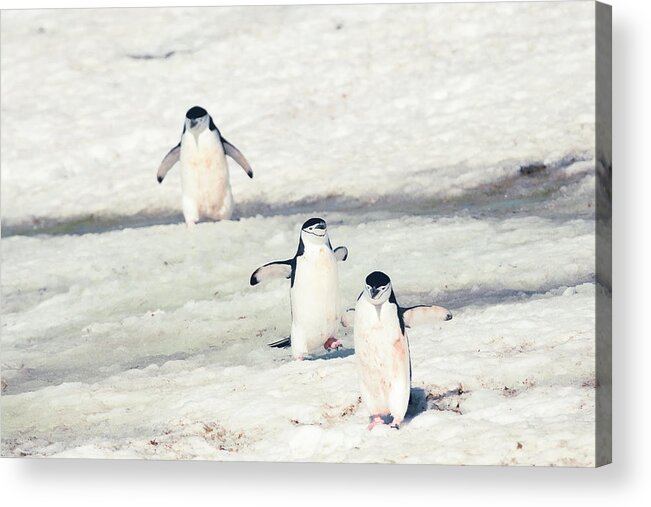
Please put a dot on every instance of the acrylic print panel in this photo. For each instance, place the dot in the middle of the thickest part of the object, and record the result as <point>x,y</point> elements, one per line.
<point>451,148</point>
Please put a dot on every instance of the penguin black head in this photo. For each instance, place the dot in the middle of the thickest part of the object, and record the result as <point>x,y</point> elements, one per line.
<point>195,112</point>
<point>378,287</point>
<point>196,118</point>
<point>315,227</point>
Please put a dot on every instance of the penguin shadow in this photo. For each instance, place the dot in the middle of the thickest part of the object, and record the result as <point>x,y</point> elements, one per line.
<point>335,354</point>
<point>421,400</point>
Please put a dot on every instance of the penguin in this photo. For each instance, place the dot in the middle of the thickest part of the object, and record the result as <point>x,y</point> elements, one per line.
<point>314,290</point>
<point>382,348</point>
<point>204,171</point>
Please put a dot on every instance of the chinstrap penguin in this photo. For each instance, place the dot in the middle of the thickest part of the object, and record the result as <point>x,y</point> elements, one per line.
<point>205,180</point>
<point>382,348</point>
<point>314,290</point>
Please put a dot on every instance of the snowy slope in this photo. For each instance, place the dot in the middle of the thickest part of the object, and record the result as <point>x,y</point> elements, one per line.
<point>449,95</point>
<point>404,126</point>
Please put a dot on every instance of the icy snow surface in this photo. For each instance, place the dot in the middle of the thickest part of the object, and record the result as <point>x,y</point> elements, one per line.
<point>126,335</point>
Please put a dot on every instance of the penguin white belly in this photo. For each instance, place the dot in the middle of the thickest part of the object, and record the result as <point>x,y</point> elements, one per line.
<point>314,300</point>
<point>382,355</point>
<point>204,178</point>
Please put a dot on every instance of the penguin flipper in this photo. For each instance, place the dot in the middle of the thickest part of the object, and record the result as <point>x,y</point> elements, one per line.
<point>283,343</point>
<point>341,253</point>
<point>277,269</point>
<point>236,155</point>
<point>170,159</point>
<point>422,315</point>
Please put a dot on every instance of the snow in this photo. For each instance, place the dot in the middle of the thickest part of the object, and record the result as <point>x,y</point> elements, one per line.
<point>125,335</point>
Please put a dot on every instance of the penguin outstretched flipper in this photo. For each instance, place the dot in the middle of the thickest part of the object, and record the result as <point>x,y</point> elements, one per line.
<point>236,155</point>
<point>283,343</point>
<point>341,253</point>
<point>277,269</point>
<point>423,315</point>
<point>412,316</point>
<point>168,162</point>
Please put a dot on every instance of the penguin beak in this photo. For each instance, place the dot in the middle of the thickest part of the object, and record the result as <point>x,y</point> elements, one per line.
<point>193,123</point>
<point>374,292</point>
<point>320,226</point>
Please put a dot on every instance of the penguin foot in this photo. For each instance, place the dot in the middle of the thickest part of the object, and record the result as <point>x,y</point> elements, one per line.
<point>332,344</point>
<point>377,421</point>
